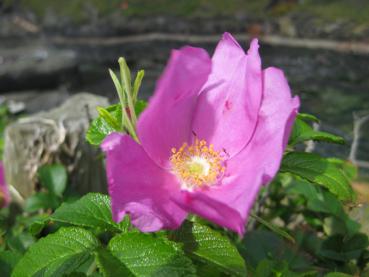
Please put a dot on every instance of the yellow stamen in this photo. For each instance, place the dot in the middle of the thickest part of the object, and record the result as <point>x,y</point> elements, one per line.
<point>197,165</point>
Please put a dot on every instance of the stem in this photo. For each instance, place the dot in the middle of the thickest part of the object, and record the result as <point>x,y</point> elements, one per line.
<point>126,83</point>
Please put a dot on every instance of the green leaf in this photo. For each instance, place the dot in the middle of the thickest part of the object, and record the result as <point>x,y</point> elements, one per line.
<point>264,268</point>
<point>258,245</point>
<point>140,107</point>
<point>317,200</point>
<point>113,122</point>
<point>350,170</point>
<point>323,201</point>
<point>109,265</point>
<point>341,248</point>
<point>41,200</point>
<point>302,131</point>
<point>145,255</point>
<point>308,117</point>
<point>57,254</point>
<point>8,259</point>
<point>92,210</point>
<point>211,247</point>
<point>38,224</point>
<point>100,128</point>
<point>320,171</point>
<point>19,242</point>
<point>53,177</point>
<point>273,228</point>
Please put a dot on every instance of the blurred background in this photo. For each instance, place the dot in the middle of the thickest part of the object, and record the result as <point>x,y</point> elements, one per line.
<point>51,50</point>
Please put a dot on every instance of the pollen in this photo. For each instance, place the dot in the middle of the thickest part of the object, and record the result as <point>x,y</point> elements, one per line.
<point>197,165</point>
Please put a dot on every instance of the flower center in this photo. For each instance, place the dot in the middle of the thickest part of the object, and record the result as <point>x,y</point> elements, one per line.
<point>197,165</point>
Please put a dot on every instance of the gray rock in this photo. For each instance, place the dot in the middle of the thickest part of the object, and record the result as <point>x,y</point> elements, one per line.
<point>34,66</point>
<point>57,135</point>
<point>34,101</point>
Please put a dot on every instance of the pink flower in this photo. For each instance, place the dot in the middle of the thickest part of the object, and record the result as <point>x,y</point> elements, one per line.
<point>214,132</point>
<point>4,192</point>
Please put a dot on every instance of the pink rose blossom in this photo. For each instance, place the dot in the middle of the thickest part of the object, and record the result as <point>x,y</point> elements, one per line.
<point>4,192</point>
<point>213,133</point>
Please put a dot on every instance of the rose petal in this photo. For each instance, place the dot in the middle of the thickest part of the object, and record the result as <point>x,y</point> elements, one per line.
<point>256,164</point>
<point>227,109</point>
<point>139,187</point>
<point>166,123</point>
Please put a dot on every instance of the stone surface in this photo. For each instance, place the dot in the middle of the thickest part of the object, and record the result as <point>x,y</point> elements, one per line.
<point>34,101</point>
<point>53,136</point>
<point>34,66</point>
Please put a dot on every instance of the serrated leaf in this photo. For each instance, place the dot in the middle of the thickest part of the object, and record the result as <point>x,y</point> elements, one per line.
<point>109,265</point>
<point>57,254</point>
<point>209,246</point>
<point>92,210</point>
<point>348,168</point>
<point>302,131</point>
<point>320,171</point>
<point>113,122</point>
<point>53,177</point>
<point>317,200</point>
<point>100,128</point>
<point>145,255</point>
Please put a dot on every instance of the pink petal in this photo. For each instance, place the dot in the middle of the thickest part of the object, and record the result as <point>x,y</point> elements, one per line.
<point>256,164</point>
<point>231,97</point>
<point>4,192</point>
<point>166,123</point>
<point>139,187</point>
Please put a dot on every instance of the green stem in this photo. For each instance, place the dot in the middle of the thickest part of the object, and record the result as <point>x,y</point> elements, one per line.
<point>126,84</point>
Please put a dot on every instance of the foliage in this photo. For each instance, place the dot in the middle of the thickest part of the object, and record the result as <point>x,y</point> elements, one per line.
<point>80,11</point>
<point>299,225</point>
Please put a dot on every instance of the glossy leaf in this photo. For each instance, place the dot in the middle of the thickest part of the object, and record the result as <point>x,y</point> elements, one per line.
<point>318,170</point>
<point>100,128</point>
<point>103,126</point>
<point>145,255</point>
<point>93,210</point>
<point>110,266</point>
<point>302,131</point>
<point>57,254</point>
<point>106,115</point>
<point>209,246</point>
